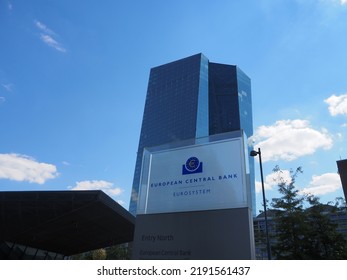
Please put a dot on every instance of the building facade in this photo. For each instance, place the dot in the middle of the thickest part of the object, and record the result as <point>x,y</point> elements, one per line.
<point>192,98</point>
<point>342,167</point>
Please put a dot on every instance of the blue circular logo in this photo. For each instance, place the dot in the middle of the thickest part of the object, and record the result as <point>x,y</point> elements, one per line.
<point>192,164</point>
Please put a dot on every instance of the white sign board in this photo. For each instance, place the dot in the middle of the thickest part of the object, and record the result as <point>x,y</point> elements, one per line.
<point>192,178</point>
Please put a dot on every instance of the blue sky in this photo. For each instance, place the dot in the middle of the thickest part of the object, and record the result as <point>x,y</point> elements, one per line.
<point>73,80</point>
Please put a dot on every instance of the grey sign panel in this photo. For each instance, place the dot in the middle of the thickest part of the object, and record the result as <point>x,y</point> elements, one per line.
<point>196,235</point>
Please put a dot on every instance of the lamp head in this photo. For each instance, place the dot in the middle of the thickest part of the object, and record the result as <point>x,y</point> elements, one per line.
<point>254,153</point>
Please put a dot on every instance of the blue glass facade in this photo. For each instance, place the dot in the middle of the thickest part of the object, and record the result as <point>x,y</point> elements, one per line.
<point>202,112</point>
<point>176,108</point>
<point>230,106</point>
<point>193,98</point>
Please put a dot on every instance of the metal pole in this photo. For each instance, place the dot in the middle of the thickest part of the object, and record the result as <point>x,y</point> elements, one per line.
<point>264,202</point>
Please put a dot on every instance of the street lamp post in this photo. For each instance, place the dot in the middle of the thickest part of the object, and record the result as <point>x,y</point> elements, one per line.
<point>253,154</point>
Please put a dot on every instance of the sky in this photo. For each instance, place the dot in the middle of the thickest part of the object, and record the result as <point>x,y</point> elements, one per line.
<point>73,81</point>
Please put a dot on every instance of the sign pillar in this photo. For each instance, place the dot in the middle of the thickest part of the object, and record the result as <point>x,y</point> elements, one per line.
<point>194,202</point>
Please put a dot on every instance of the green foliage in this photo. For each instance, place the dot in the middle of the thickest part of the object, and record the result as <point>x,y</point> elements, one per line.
<point>324,241</point>
<point>99,254</point>
<point>119,252</point>
<point>289,219</point>
<point>303,233</point>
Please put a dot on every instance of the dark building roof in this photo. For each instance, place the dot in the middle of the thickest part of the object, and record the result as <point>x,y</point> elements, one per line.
<point>65,222</point>
<point>270,214</point>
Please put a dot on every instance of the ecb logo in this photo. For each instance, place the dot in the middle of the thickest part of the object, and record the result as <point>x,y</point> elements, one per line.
<point>193,165</point>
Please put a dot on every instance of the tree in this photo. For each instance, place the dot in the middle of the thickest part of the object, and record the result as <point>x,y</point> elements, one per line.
<point>324,241</point>
<point>118,252</point>
<point>341,204</point>
<point>289,218</point>
<point>99,254</point>
<point>304,233</point>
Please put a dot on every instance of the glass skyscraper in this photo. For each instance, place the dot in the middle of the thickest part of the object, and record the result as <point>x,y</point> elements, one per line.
<point>193,98</point>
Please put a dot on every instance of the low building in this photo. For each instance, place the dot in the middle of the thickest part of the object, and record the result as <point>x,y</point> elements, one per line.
<point>58,224</point>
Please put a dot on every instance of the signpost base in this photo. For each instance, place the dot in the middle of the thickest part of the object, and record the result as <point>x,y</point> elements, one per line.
<point>225,234</point>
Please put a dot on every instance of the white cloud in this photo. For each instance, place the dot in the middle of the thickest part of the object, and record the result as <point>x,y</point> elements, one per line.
<point>323,184</point>
<point>43,27</point>
<point>23,168</point>
<point>337,104</point>
<point>319,185</point>
<point>335,2</point>
<point>2,99</point>
<point>52,43</point>
<point>290,139</point>
<point>48,36</point>
<point>105,186</point>
<point>8,87</point>
<point>273,179</point>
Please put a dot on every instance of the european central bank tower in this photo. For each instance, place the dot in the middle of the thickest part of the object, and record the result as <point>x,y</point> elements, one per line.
<point>193,98</point>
